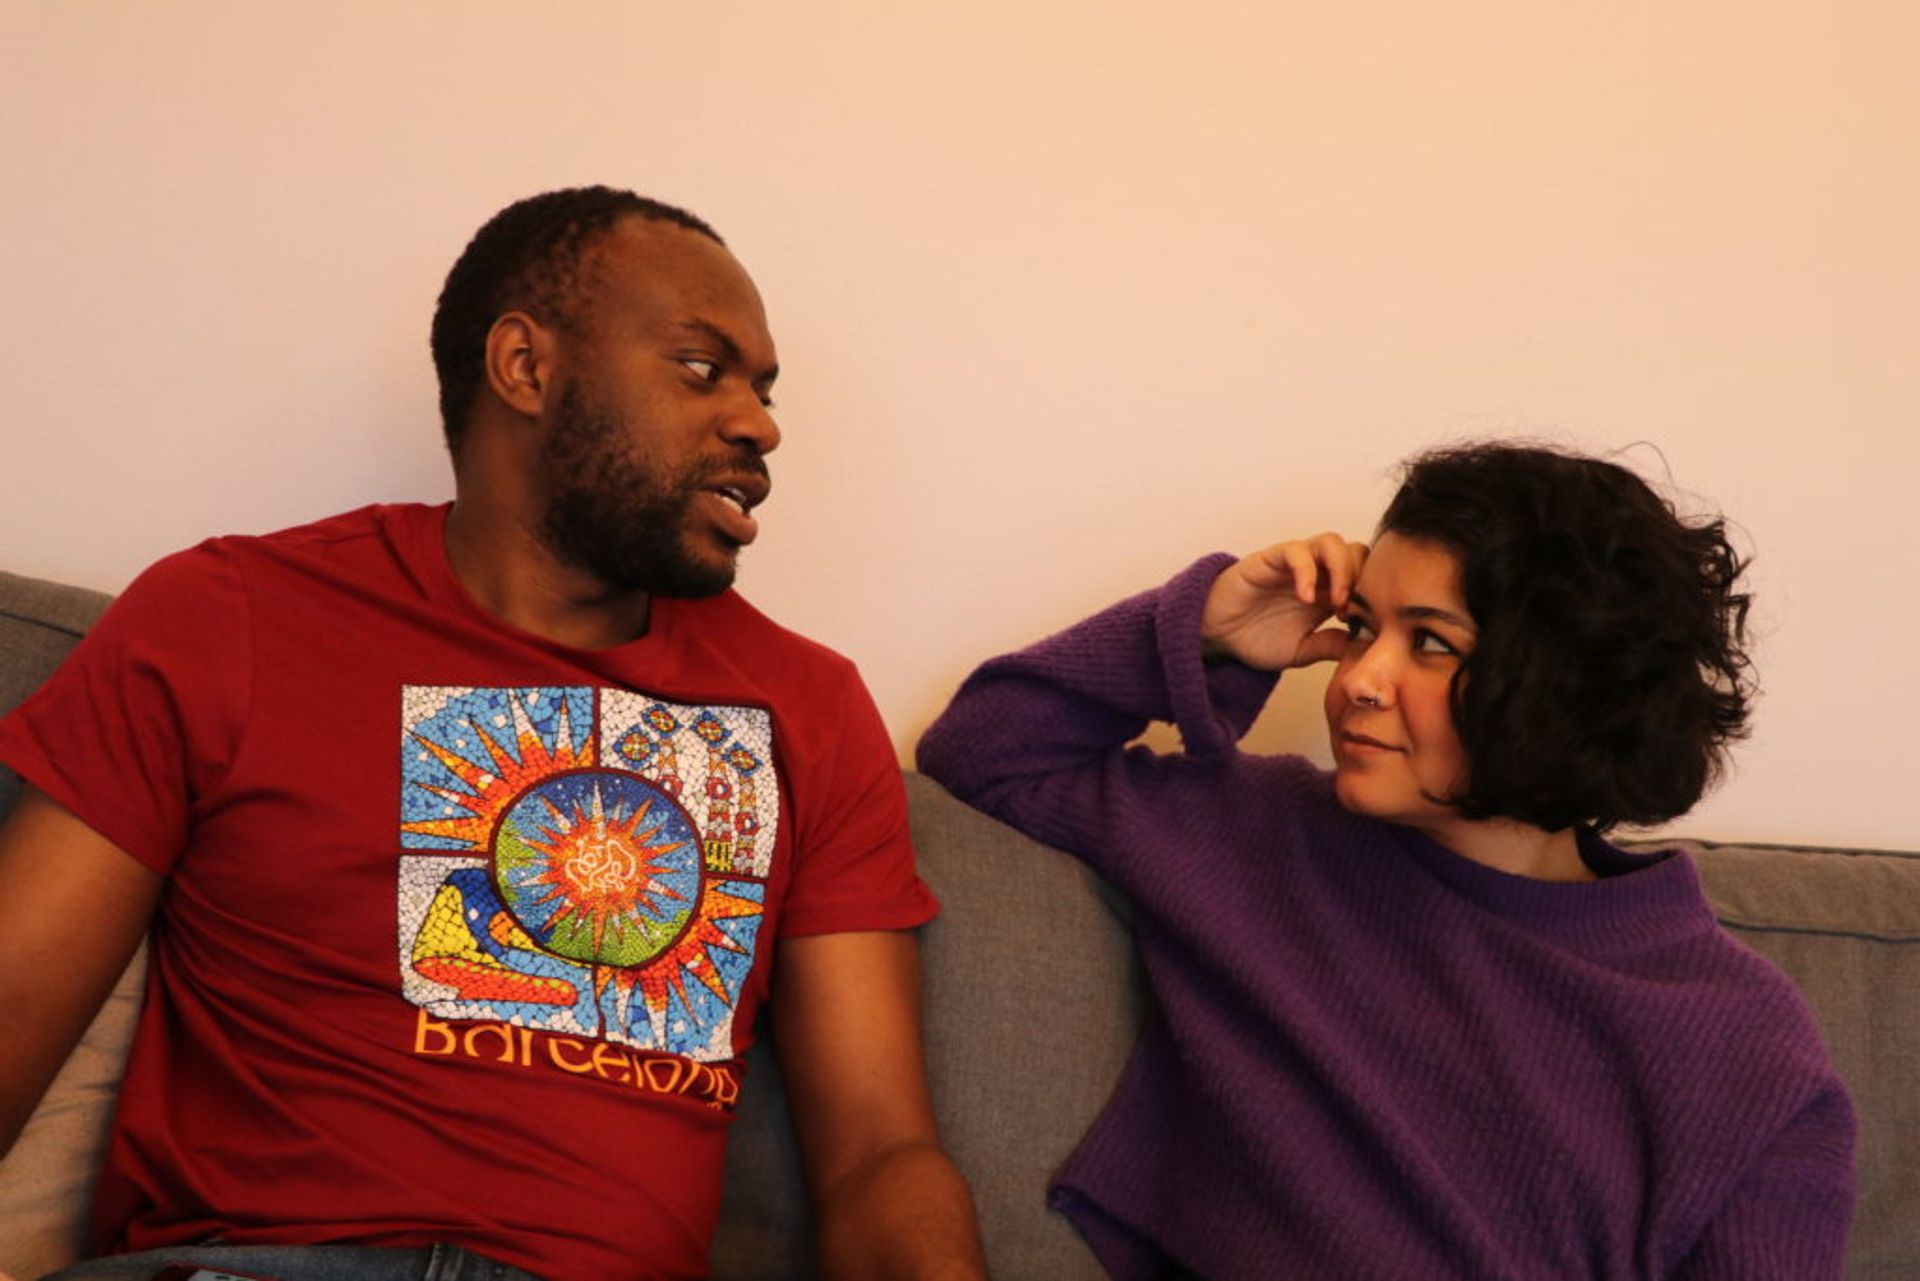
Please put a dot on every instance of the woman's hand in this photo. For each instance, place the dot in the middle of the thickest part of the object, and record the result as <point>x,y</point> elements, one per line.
<point>1264,609</point>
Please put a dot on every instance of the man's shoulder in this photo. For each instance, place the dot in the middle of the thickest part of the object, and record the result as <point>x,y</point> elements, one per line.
<point>383,522</point>
<point>730,620</point>
<point>366,544</point>
<point>210,583</point>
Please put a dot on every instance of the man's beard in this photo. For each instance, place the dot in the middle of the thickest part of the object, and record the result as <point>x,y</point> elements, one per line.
<point>611,515</point>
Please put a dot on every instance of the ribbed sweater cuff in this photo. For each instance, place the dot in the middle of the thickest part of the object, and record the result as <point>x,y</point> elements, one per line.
<point>1213,704</point>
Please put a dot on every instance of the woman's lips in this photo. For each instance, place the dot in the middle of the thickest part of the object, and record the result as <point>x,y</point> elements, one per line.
<point>1365,743</point>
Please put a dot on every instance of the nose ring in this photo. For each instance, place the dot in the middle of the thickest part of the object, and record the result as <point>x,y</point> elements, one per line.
<point>1368,700</point>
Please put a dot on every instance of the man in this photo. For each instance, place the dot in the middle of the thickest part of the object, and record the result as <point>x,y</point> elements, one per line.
<point>474,831</point>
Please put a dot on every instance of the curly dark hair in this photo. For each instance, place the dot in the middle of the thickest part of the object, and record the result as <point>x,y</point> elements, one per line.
<point>1610,673</point>
<point>526,258</point>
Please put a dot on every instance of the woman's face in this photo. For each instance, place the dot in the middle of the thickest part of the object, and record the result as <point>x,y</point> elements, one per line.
<point>1396,750</point>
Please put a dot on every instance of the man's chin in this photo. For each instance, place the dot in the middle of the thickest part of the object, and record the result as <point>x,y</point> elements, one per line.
<point>698,588</point>
<point>680,578</point>
<point>690,577</point>
<point>683,566</point>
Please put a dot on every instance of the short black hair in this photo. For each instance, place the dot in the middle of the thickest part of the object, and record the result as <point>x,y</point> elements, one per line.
<point>1610,672</point>
<point>526,258</point>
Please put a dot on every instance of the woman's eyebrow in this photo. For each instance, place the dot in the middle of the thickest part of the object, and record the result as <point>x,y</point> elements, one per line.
<point>1443,615</point>
<point>1356,600</point>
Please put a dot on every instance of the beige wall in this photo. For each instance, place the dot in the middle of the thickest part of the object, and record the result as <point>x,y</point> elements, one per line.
<point>1066,293</point>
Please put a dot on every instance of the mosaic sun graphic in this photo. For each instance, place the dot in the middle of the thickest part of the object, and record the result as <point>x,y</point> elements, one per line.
<point>600,874</point>
<point>583,860</point>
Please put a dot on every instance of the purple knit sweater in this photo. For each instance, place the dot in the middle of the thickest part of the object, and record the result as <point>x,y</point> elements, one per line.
<point>1373,1058</point>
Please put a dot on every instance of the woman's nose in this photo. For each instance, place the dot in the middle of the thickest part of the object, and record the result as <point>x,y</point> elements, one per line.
<point>1369,682</point>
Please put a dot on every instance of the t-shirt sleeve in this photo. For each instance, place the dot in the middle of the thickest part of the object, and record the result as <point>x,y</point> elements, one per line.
<point>142,720</point>
<point>853,854</point>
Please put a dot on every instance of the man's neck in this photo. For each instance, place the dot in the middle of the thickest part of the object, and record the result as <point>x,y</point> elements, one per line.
<point>508,569</point>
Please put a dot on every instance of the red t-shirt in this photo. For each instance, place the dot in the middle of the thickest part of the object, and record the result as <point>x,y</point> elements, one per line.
<point>464,931</point>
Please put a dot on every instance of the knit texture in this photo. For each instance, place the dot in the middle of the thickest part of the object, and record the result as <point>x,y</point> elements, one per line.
<point>1373,1058</point>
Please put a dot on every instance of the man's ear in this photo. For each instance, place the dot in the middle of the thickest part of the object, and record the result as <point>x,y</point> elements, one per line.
<point>520,358</point>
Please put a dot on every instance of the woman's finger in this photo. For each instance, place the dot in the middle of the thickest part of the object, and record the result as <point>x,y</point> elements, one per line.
<point>1305,565</point>
<point>1327,645</point>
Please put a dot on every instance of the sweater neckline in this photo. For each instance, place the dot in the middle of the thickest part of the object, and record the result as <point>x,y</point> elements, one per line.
<point>1639,900</point>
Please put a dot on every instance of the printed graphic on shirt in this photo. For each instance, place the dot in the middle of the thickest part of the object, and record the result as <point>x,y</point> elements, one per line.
<point>582,861</point>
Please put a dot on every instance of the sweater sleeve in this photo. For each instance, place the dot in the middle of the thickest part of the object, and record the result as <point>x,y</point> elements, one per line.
<point>1038,737</point>
<point>1787,1218</point>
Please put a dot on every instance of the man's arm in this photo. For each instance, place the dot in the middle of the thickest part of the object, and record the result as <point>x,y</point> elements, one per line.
<point>73,908</point>
<point>888,1202</point>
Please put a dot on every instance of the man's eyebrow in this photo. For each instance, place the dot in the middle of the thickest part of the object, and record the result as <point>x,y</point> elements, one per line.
<point>1418,612</point>
<point>728,347</point>
<point>720,337</point>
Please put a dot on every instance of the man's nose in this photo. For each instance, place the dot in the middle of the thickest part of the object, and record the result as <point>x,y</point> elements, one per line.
<point>752,424</point>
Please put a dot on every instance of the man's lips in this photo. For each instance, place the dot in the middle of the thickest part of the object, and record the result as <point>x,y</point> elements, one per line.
<point>736,496</point>
<point>740,479</point>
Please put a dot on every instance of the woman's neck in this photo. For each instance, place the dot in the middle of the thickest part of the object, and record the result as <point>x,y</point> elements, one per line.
<point>1519,849</point>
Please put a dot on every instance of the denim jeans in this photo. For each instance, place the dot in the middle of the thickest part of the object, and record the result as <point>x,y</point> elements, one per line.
<point>302,1263</point>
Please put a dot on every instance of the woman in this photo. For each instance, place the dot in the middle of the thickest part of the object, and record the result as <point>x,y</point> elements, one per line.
<point>1417,1018</point>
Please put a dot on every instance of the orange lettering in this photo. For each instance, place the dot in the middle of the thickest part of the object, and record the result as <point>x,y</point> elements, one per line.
<point>728,1091</point>
<point>673,1066</point>
<point>604,1056</point>
<point>553,1052</point>
<point>500,1030</point>
<point>425,1027</point>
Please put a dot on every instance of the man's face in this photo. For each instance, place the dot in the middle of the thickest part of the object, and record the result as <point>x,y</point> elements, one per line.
<point>652,460</point>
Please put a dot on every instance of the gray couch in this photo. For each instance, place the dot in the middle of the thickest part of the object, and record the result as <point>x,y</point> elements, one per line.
<point>1032,996</point>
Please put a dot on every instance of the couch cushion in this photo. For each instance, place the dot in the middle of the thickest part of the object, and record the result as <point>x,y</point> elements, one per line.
<point>1845,926</point>
<point>44,1180</point>
<point>39,623</point>
<point>1032,998</point>
<point>766,1228</point>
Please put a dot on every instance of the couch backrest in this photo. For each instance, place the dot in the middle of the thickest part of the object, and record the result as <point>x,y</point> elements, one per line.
<point>1845,926</point>
<point>1032,995</point>
<point>44,1180</point>
<point>39,623</point>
